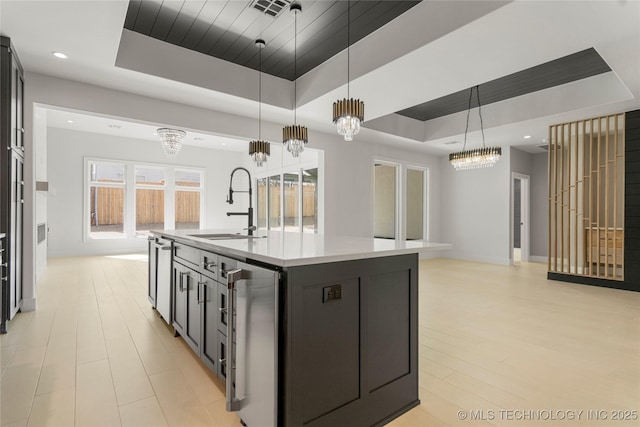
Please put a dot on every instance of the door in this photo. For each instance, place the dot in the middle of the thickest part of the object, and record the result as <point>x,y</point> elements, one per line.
<point>520,217</point>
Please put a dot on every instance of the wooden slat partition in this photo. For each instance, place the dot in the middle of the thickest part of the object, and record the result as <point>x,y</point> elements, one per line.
<point>586,197</point>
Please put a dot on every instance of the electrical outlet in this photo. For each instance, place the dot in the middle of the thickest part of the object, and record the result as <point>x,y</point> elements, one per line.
<point>331,293</point>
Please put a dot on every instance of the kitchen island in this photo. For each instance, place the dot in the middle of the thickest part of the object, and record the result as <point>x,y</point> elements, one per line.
<point>325,328</point>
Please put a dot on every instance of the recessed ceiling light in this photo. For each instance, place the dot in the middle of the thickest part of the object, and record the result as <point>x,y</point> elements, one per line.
<point>59,55</point>
<point>527,136</point>
<point>69,121</point>
<point>224,143</point>
<point>155,134</point>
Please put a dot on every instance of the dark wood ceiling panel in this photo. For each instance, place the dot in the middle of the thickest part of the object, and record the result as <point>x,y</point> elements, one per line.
<point>147,15</point>
<point>132,14</point>
<point>580,65</point>
<point>169,11</point>
<point>227,29</point>
<point>222,24</point>
<point>205,19</point>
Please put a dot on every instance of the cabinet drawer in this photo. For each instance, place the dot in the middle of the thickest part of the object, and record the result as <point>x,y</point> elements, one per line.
<point>187,254</point>
<point>226,264</point>
<point>210,265</point>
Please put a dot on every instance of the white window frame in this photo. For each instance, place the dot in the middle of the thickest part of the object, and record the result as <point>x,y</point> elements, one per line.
<point>130,194</point>
<point>148,187</point>
<point>199,189</point>
<point>401,191</point>
<point>88,183</point>
<point>292,169</point>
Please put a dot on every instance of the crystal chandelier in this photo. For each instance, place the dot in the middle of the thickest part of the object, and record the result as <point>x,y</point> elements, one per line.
<point>348,113</point>
<point>294,137</point>
<point>259,149</point>
<point>484,157</point>
<point>171,140</point>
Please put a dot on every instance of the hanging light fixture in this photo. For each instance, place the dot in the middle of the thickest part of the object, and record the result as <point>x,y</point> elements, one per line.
<point>259,149</point>
<point>294,137</point>
<point>484,157</point>
<point>348,113</point>
<point>171,140</point>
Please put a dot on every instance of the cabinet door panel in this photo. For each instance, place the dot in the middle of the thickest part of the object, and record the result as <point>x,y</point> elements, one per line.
<point>179,297</point>
<point>16,233</point>
<point>192,328</point>
<point>208,343</point>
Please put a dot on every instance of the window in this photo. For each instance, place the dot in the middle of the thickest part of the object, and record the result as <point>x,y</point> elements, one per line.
<point>288,201</point>
<point>188,185</point>
<point>310,200</point>
<point>384,200</point>
<point>399,201</point>
<point>291,193</point>
<point>150,199</point>
<point>273,203</point>
<point>125,199</point>
<point>415,203</point>
<point>106,200</point>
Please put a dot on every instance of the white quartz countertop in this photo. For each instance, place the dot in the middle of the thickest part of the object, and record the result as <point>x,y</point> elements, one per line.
<point>288,249</point>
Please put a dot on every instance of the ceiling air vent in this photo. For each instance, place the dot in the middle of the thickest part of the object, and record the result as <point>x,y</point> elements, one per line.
<point>451,142</point>
<point>545,147</point>
<point>270,7</point>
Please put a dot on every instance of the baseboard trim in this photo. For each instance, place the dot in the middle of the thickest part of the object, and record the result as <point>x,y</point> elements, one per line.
<point>536,258</point>
<point>477,258</point>
<point>28,304</point>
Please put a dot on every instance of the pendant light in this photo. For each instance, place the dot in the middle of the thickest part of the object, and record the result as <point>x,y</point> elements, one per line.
<point>259,149</point>
<point>171,140</point>
<point>484,157</point>
<point>348,113</point>
<point>294,137</point>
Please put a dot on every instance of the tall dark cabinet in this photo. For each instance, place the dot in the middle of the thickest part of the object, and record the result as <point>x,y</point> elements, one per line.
<point>12,187</point>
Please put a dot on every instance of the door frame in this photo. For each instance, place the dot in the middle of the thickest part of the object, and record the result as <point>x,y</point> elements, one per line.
<point>525,215</point>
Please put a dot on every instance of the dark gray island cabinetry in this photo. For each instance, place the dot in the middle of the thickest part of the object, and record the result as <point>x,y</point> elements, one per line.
<point>324,332</point>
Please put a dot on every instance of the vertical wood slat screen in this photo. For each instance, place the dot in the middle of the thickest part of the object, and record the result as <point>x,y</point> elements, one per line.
<point>586,198</point>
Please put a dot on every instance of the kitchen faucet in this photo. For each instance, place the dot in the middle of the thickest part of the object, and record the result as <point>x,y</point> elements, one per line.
<point>249,213</point>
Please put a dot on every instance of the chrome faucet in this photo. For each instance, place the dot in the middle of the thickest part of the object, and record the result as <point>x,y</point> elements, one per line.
<point>249,212</point>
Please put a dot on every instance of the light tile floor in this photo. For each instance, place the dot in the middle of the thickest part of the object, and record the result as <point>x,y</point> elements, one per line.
<point>495,341</point>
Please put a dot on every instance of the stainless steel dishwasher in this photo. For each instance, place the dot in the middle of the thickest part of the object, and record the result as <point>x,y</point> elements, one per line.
<point>160,276</point>
<point>252,387</point>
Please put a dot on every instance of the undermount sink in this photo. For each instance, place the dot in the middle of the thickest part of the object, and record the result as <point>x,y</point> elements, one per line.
<point>223,236</point>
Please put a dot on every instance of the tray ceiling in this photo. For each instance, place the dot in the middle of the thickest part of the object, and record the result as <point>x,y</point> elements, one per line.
<point>227,29</point>
<point>577,66</point>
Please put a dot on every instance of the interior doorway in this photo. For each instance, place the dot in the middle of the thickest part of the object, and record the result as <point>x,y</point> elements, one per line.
<point>520,220</point>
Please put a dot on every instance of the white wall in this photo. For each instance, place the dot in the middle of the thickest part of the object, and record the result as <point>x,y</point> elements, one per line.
<point>539,205</point>
<point>347,181</point>
<point>475,206</point>
<point>67,150</point>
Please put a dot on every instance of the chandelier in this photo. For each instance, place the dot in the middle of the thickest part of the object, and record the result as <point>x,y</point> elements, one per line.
<point>348,113</point>
<point>171,140</point>
<point>259,149</point>
<point>294,137</point>
<point>484,157</point>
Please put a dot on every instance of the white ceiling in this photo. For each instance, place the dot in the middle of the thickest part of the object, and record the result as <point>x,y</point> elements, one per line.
<point>436,49</point>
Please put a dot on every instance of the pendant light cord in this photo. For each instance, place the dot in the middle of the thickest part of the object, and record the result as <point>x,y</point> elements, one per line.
<point>348,46</point>
<point>466,129</point>
<point>295,67</point>
<point>260,97</point>
<point>480,114</point>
